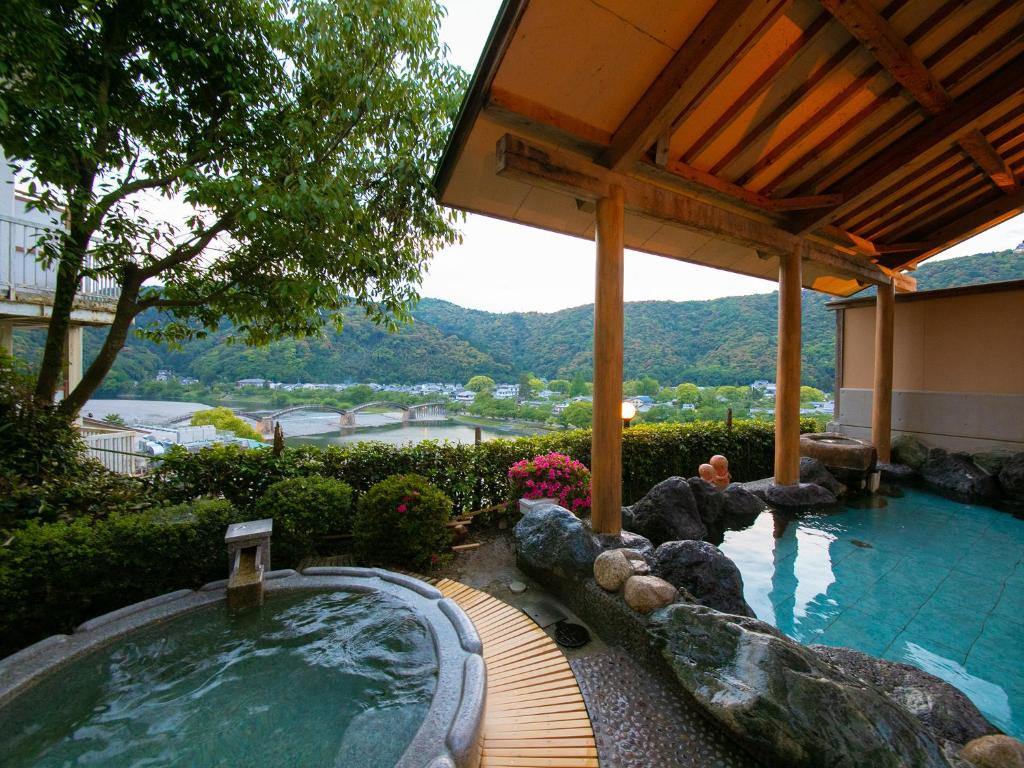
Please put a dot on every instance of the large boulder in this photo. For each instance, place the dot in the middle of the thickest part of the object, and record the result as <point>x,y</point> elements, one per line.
<point>710,502</point>
<point>896,473</point>
<point>552,542</point>
<point>992,461</point>
<point>1011,477</point>
<point>551,539</point>
<point>799,496</point>
<point>648,593</point>
<point>782,700</point>
<point>741,506</point>
<point>907,449</point>
<point>955,473</point>
<point>994,752</point>
<point>614,566</point>
<point>703,571</point>
<point>813,471</point>
<point>667,513</point>
<point>947,712</point>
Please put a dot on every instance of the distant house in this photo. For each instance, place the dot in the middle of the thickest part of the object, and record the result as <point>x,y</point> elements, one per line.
<point>251,383</point>
<point>557,408</point>
<point>164,375</point>
<point>688,407</point>
<point>189,380</point>
<point>465,396</point>
<point>1019,248</point>
<point>506,391</point>
<point>766,387</point>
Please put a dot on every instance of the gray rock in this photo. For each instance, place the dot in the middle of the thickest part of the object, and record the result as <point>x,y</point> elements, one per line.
<point>703,571</point>
<point>611,569</point>
<point>645,594</point>
<point>741,506</point>
<point>955,473</point>
<point>1011,477</point>
<point>552,542</point>
<point>992,461</point>
<point>896,473</point>
<point>783,701</point>
<point>710,502</point>
<point>799,496</point>
<point>995,752</point>
<point>947,712</point>
<point>667,513</point>
<point>626,540</point>
<point>552,539</point>
<point>907,449</point>
<point>813,471</point>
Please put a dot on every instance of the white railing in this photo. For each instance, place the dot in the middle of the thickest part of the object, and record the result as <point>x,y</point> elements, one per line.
<point>117,451</point>
<point>22,272</point>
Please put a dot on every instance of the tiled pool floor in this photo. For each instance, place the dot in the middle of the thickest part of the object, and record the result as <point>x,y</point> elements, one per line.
<point>923,580</point>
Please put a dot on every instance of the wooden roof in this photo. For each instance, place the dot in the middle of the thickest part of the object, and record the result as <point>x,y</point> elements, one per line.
<point>871,133</point>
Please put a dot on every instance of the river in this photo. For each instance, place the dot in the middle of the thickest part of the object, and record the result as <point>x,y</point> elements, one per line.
<point>313,427</point>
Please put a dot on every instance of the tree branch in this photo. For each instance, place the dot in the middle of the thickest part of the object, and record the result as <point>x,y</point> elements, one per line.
<point>184,253</point>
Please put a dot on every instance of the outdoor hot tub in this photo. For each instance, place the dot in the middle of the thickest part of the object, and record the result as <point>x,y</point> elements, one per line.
<point>353,667</point>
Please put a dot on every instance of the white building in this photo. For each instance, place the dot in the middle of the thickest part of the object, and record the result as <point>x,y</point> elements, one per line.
<point>506,391</point>
<point>27,287</point>
<point>465,396</point>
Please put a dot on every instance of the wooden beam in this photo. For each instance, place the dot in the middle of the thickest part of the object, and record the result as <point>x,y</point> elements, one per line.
<point>977,221</point>
<point>804,202</point>
<point>885,248</point>
<point>881,398</point>
<point>575,176</point>
<point>991,163</point>
<point>787,373</point>
<point>606,450</point>
<point>972,108</point>
<point>743,195</point>
<point>726,32</point>
<point>866,25</point>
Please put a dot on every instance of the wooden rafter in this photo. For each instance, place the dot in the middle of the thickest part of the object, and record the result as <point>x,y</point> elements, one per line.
<point>991,163</point>
<point>887,248</point>
<point>866,25</point>
<point>729,29</point>
<point>973,107</point>
<point>968,225</point>
<point>567,173</point>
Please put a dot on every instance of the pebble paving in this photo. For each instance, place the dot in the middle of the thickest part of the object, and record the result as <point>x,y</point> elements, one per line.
<point>641,722</point>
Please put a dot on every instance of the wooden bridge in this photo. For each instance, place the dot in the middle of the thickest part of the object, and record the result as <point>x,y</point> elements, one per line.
<point>347,416</point>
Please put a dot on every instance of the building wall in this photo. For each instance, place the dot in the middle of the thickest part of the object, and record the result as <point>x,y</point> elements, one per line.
<point>958,370</point>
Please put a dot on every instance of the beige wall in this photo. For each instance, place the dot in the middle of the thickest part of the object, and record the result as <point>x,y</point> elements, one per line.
<point>968,343</point>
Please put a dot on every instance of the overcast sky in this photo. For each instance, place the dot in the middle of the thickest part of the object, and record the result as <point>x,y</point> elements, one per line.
<point>503,267</point>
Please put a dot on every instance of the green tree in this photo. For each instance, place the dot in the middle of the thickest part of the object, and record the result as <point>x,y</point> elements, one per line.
<point>525,385</point>
<point>688,393</point>
<point>480,384</point>
<point>577,414</point>
<point>224,418</point>
<point>304,135</point>
<point>811,394</point>
<point>578,386</point>
<point>559,385</point>
<point>114,418</point>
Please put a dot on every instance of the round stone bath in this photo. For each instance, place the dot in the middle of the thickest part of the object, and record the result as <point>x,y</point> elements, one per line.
<point>340,666</point>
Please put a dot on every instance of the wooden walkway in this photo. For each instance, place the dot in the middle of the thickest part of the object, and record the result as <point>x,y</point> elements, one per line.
<point>535,712</point>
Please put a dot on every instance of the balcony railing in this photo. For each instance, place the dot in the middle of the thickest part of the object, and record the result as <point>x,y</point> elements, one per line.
<point>21,272</point>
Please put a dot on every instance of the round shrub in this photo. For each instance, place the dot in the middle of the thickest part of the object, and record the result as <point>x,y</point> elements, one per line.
<point>552,476</point>
<point>304,510</point>
<point>401,520</point>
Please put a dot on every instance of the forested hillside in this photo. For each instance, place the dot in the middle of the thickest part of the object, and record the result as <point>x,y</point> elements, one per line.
<point>722,341</point>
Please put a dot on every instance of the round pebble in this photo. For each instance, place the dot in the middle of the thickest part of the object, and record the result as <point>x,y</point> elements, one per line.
<point>516,587</point>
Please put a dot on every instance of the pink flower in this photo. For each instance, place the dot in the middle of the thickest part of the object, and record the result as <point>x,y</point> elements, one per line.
<point>402,509</point>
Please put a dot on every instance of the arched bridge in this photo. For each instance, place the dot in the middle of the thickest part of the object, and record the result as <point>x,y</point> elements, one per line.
<point>347,416</point>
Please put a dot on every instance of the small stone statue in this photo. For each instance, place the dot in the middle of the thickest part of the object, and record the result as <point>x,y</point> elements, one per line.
<point>707,473</point>
<point>720,464</point>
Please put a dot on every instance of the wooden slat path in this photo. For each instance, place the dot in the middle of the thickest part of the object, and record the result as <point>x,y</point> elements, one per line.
<point>535,712</point>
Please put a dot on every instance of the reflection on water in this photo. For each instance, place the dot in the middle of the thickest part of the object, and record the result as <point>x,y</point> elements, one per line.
<point>917,579</point>
<point>401,434</point>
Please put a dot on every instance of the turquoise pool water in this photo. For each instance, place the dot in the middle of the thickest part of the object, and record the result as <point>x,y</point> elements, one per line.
<point>321,679</point>
<point>923,580</point>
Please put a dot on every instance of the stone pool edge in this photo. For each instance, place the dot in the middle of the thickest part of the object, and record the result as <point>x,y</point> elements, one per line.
<point>451,734</point>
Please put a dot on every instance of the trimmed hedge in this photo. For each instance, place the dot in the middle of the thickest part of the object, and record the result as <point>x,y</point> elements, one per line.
<point>54,576</point>
<point>472,476</point>
<point>305,510</point>
<point>401,521</point>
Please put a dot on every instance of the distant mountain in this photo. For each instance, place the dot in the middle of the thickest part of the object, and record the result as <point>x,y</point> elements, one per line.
<point>721,341</point>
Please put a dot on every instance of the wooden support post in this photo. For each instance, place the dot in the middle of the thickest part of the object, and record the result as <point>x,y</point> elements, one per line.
<point>606,451</point>
<point>787,376</point>
<point>73,359</point>
<point>881,401</point>
<point>7,337</point>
